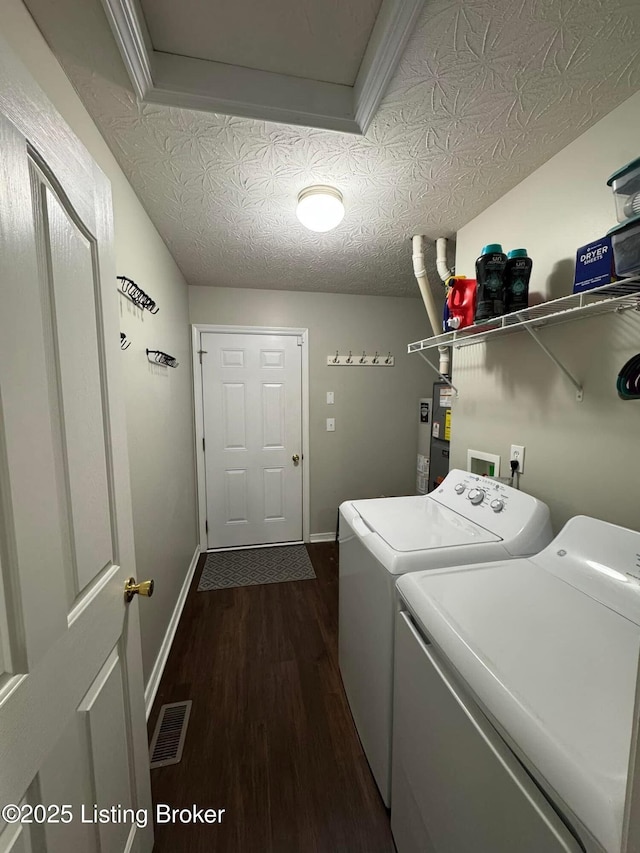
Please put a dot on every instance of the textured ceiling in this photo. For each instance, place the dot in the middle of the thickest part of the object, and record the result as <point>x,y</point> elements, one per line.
<point>278,35</point>
<point>486,92</point>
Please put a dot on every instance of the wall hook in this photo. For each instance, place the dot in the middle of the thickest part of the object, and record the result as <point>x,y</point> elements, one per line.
<point>350,358</point>
<point>376,358</point>
<point>124,342</point>
<point>337,358</point>
<point>364,357</point>
<point>156,356</point>
<point>136,294</point>
<point>388,359</point>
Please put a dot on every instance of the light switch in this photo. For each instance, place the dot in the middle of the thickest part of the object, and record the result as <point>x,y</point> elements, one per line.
<point>331,424</point>
<point>330,398</point>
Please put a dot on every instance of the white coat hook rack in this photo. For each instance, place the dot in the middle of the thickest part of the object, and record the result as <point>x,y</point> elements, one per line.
<point>364,360</point>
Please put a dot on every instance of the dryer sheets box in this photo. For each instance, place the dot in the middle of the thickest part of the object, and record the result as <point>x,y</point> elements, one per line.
<point>594,265</point>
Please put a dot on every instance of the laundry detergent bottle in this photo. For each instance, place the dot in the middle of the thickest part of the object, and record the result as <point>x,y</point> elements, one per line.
<point>490,277</point>
<point>461,302</point>
<point>517,272</point>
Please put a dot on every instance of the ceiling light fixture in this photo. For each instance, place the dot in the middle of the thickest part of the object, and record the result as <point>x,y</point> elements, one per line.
<point>320,208</point>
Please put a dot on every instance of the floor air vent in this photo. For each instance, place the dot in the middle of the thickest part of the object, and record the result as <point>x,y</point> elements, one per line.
<point>168,738</point>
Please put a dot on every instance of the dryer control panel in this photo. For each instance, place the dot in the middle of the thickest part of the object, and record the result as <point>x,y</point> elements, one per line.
<point>478,494</point>
<point>507,512</point>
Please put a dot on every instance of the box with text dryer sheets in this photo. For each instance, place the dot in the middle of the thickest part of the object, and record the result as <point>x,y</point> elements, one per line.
<point>594,265</point>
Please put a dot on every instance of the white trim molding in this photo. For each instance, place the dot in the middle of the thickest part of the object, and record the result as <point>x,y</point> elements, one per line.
<point>393,27</point>
<point>127,22</point>
<point>163,655</point>
<point>200,84</point>
<point>196,330</point>
<point>322,537</point>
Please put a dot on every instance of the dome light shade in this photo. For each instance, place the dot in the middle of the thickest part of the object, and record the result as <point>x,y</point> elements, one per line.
<point>320,208</point>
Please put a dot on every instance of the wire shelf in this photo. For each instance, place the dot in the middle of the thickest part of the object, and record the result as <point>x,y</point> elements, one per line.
<point>601,300</point>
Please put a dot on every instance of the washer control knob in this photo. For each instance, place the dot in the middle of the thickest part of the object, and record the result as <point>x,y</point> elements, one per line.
<point>476,496</point>
<point>460,488</point>
<point>497,505</point>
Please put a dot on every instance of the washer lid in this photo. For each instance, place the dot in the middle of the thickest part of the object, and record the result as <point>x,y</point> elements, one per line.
<point>554,667</point>
<point>418,523</point>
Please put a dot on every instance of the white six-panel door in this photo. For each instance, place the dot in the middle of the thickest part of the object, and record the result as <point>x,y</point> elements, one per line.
<point>252,413</point>
<point>72,724</point>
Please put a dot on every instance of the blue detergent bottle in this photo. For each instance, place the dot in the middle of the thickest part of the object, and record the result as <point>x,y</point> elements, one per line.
<point>517,272</point>
<point>490,277</point>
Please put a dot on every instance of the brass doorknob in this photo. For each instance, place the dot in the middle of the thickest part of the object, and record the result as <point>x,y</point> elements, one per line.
<point>295,458</point>
<point>132,588</point>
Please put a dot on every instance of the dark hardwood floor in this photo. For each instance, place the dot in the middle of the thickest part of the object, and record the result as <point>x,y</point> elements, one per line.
<point>271,738</point>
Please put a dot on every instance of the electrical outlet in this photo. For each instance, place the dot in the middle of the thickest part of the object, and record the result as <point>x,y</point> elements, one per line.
<point>330,398</point>
<point>517,453</point>
<point>331,424</point>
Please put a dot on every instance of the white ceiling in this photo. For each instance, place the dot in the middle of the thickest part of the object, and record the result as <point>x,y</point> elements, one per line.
<point>487,91</point>
<point>317,39</point>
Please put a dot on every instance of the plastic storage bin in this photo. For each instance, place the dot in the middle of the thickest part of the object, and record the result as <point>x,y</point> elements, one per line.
<point>625,239</point>
<point>625,184</point>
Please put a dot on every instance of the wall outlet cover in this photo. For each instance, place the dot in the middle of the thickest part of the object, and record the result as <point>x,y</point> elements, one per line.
<point>517,453</point>
<point>331,424</point>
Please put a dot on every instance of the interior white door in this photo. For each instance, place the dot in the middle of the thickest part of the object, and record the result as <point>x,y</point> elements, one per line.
<point>72,724</point>
<point>252,400</point>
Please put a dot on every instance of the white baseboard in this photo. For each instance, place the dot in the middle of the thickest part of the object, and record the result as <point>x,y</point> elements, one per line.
<point>323,537</point>
<point>161,661</point>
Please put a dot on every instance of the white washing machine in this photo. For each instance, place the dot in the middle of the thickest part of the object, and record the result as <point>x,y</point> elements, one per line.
<point>515,686</point>
<point>468,519</point>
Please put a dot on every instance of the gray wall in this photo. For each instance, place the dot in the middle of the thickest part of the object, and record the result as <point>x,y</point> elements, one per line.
<point>159,407</point>
<point>373,450</point>
<point>581,458</point>
<point>158,402</point>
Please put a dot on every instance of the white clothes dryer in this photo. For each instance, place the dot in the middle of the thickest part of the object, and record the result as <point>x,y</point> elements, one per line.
<point>467,519</point>
<point>514,701</point>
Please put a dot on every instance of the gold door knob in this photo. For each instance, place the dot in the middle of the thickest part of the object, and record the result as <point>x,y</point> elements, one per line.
<point>132,588</point>
<point>295,458</point>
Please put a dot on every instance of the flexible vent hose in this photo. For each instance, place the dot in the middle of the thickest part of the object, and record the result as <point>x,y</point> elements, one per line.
<point>628,382</point>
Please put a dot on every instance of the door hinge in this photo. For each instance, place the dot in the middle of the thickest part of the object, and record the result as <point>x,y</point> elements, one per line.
<point>202,352</point>
<point>203,444</point>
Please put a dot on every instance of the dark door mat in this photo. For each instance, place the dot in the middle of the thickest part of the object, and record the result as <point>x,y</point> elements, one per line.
<point>251,566</point>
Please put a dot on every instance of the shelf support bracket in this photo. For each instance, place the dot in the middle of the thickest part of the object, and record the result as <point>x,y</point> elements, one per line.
<point>545,349</point>
<point>441,375</point>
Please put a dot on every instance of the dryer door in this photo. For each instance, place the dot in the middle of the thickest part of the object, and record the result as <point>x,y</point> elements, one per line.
<point>456,787</point>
